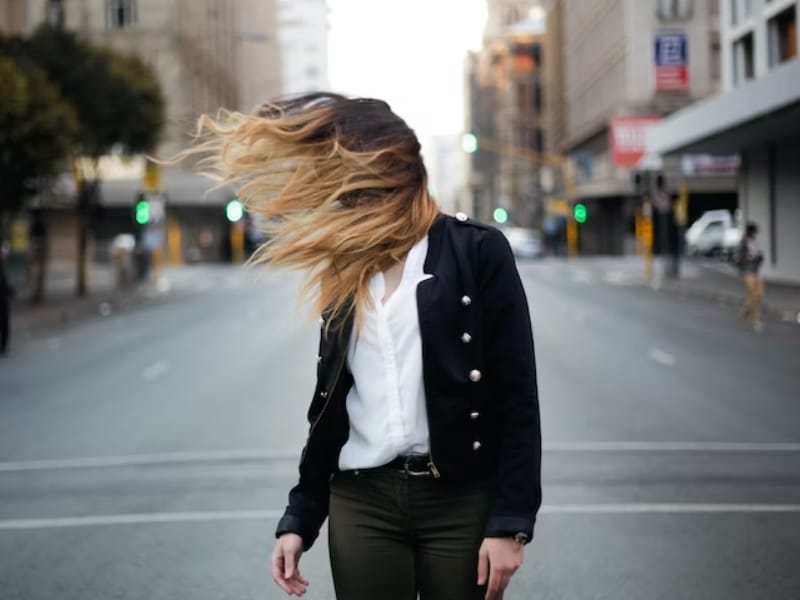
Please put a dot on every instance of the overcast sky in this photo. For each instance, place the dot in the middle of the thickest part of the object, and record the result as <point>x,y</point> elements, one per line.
<point>409,53</point>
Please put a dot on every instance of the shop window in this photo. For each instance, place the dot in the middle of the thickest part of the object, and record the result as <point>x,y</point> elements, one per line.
<point>783,37</point>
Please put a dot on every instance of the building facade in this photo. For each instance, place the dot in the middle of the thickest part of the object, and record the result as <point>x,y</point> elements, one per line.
<point>757,116</point>
<point>509,117</point>
<point>208,55</point>
<point>624,65</point>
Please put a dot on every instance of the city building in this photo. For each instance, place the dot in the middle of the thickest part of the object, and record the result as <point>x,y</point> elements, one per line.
<point>447,172</point>
<point>757,115</point>
<point>303,39</point>
<point>507,116</point>
<point>208,55</point>
<point>12,16</point>
<point>624,65</point>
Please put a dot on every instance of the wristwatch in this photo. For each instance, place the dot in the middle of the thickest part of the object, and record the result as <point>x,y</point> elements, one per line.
<point>521,537</point>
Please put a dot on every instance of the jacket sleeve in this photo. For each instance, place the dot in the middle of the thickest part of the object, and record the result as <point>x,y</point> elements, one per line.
<point>511,366</point>
<point>309,499</point>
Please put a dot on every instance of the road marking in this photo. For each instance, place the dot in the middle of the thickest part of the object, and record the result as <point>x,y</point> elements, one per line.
<point>662,357</point>
<point>581,276</point>
<point>265,515</point>
<point>155,370</point>
<point>746,447</point>
<point>669,508</point>
<point>211,456</point>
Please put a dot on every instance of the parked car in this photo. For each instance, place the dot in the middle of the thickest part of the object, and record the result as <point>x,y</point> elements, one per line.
<point>525,243</point>
<point>706,236</point>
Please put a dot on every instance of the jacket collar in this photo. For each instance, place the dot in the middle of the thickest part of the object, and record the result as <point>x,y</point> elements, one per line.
<point>435,239</point>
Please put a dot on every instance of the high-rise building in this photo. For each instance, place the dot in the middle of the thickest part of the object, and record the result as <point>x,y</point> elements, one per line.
<point>508,116</point>
<point>624,65</point>
<point>12,16</point>
<point>757,116</point>
<point>208,55</point>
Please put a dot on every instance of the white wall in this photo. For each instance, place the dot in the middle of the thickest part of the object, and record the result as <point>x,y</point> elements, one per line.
<point>756,204</point>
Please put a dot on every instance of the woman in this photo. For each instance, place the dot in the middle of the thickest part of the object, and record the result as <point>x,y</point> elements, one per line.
<point>424,447</point>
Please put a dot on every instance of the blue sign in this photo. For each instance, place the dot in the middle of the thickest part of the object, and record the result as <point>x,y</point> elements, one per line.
<point>672,61</point>
<point>671,49</point>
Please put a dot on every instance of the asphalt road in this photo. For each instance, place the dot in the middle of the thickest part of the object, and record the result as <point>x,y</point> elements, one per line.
<point>148,454</point>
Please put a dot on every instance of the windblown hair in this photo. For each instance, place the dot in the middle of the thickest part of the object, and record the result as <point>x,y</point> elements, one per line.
<point>339,182</point>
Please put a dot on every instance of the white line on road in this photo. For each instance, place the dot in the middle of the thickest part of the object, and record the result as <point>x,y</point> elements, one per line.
<point>261,515</point>
<point>211,456</point>
<point>155,370</point>
<point>662,357</point>
<point>136,460</point>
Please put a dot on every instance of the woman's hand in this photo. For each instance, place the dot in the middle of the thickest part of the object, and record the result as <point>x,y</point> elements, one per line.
<point>498,560</point>
<point>285,559</point>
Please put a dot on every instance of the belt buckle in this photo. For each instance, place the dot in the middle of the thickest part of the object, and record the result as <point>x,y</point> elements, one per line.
<point>412,473</point>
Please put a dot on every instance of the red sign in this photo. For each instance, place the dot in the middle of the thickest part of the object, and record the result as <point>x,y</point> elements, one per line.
<point>672,62</point>
<point>628,138</point>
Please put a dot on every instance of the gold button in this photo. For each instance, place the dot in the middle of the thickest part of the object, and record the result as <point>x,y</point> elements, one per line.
<point>466,300</point>
<point>474,376</point>
<point>466,338</point>
<point>476,446</point>
<point>474,415</point>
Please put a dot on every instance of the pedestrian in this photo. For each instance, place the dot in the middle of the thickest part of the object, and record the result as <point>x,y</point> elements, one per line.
<point>6,293</point>
<point>424,445</point>
<point>749,258</point>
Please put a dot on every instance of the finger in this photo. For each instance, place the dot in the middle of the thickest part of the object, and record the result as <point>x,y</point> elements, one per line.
<point>494,584</point>
<point>483,568</point>
<point>277,572</point>
<point>290,565</point>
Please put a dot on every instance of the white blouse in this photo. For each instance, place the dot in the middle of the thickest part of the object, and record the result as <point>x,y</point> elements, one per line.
<point>386,404</point>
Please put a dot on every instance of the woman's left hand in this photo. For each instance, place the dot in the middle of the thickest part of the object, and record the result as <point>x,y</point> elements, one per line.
<point>498,560</point>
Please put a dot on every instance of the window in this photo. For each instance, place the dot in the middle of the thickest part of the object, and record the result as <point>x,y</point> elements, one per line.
<point>538,97</point>
<point>743,63</point>
<point>55,13</point>
<point>523,96</point>
<point>671,10</point>
<point>782,37</point>
<point>538,140</point>
<point>120,13</point>
<point>734,5</point>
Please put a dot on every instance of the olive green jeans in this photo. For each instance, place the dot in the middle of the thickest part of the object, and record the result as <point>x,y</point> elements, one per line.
<point>397,537</point>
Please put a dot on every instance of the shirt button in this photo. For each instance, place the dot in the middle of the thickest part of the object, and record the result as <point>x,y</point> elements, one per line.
<point>474,376</point>
<point>466,338</point>
<point>476,446</point>
<point>466,300</point>
<point>460,216</point>
<point>474,415</point>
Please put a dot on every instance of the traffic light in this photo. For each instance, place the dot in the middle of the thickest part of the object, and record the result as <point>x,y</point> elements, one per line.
<point>580,213</point>
<point>500,215</point>
<point>469,142</point>
<point>141,211</point>
<point>234,211</point>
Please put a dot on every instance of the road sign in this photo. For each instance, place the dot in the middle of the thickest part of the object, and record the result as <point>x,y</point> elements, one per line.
<point>672,61</point>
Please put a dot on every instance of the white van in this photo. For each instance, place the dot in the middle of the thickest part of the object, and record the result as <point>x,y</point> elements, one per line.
<point>706,236</point>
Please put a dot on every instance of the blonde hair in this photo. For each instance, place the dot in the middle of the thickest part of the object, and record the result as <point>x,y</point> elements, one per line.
<point>339,182</point>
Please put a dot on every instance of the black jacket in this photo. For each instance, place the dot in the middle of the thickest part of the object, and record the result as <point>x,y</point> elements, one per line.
<point>479,376</point>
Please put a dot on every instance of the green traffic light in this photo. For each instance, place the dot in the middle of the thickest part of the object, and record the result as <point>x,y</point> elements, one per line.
<point>142,212</point>
<point>580,213</point>
<point>500,215</point>
<point>234,211</point>
<point>469,142</point>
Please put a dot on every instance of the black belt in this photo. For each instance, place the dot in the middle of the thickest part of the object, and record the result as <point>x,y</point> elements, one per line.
<point>414,465</point>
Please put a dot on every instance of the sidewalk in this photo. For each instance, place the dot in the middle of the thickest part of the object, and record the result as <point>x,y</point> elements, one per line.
<point>61,306</point>
<point>721,282</point>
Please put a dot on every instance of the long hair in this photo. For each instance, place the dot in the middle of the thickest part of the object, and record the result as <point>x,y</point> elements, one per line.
<point>339,182</point>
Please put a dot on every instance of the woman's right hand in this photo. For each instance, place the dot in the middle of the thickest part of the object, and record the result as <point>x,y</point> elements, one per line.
<point>285,560</point>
